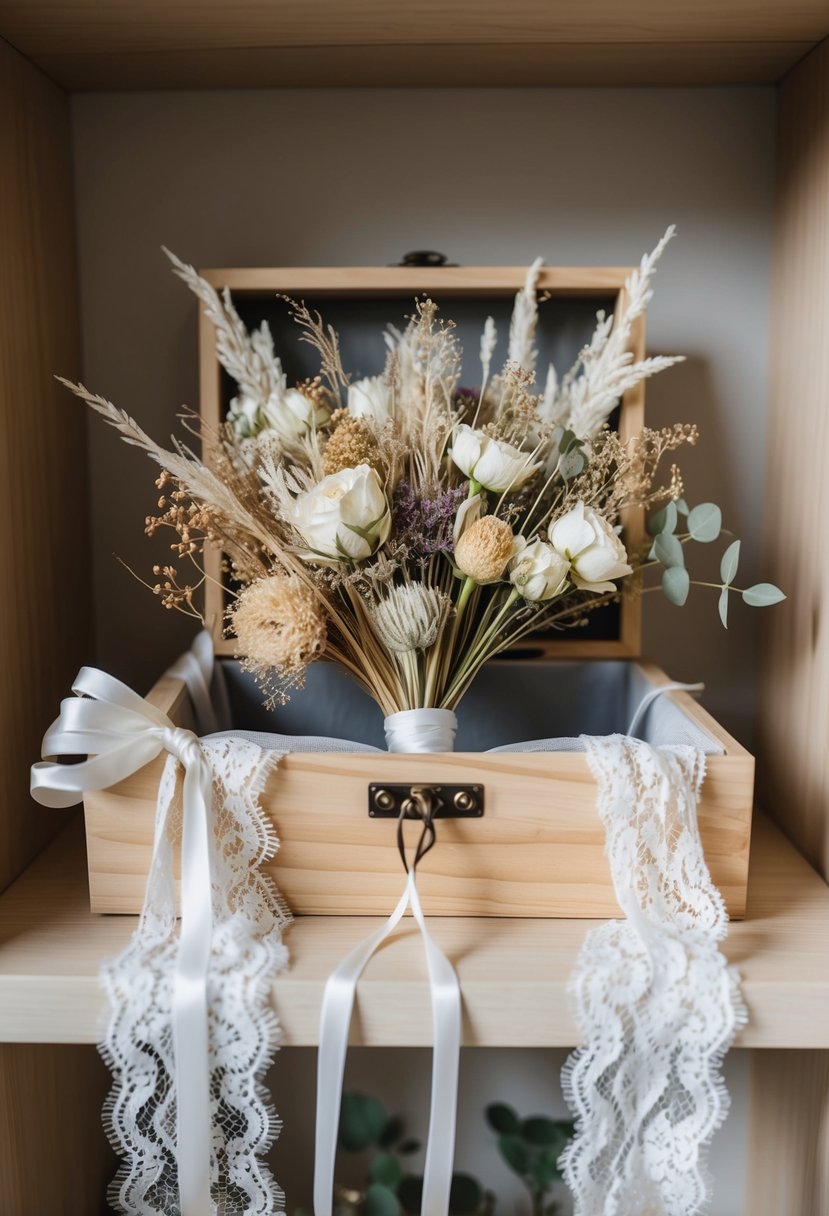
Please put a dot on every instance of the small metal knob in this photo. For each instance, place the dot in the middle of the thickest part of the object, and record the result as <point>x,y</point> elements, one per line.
<point>383,800</point>
<point>463,801</point>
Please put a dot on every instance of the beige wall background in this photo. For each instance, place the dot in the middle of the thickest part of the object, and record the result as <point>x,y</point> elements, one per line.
<point>487,176</point>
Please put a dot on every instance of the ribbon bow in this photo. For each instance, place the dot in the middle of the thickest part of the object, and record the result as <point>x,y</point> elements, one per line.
<point>119,732</point>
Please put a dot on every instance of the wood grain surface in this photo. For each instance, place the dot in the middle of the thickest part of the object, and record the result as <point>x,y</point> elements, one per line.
<point>513,972</point>
<point>45,606</point>
<point>793,705</point>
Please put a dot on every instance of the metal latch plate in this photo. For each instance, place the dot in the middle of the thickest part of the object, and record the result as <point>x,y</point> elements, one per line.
<point>448,801</point>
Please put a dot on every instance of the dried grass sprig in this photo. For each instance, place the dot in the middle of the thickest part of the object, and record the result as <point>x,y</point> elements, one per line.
<point>248,358</point>
<point>605,368</point>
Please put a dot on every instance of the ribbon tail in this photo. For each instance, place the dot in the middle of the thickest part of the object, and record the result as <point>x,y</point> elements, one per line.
<point>335,1019</point>
<point>190,1021</point>
<point>446,1018</point>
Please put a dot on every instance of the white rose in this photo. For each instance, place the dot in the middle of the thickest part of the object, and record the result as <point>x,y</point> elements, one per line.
<point>593,549</point>
<point>244,414</point>
<point>344,516</point>
<point>370,398</point>
<point>493,463</point>
<point>286,412</point>
<point>291,414</point>
<point>538,572</point>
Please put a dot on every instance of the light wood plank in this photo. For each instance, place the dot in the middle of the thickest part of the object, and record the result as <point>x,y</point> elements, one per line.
<point>538,851</point>
<point>788,1134</point>
<point>54,1156</point>
<point>45,609</point>
<point>411,281</point>
<point>417,65</point>
<point>513,972</point>
<point>793,706</point>
<point>44,26</point>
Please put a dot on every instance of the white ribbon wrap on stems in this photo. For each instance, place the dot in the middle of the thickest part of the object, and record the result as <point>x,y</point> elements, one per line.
<point>656,1002</point>
<point>421,730</point>
<point>159,1042</point>
<point>417,730</point>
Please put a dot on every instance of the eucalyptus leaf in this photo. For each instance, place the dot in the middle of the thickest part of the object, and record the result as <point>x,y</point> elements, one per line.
<point>516,1153</point>
<point>380,1201</point>
<point>571,464</point>
<point>503,1119</point>
<point>465,1195</point>
<point>391,1132</point>
<point>705,522</point>
<point>656,522</point>
<point>545,1168</point>
<point>723,606</point>
<point>676,583</point>
<point>730,562</point>
<point>362,1122</point>
<point>763,594</point>
<point>568,441</point>
<point>663,520</point>
<point>386,1168</point>
<point>668,550</point>
<point>410,1193</point>
<point>682,506</point>
<point>540,1130</point>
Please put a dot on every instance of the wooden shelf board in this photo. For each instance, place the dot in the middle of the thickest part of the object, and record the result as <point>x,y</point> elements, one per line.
<point>447,65</point>
<point>175,44</point>
<point>513,972</point>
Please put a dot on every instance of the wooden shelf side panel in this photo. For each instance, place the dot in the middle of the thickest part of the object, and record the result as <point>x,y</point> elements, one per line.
<point>793,758</point>
<point>45,607</point>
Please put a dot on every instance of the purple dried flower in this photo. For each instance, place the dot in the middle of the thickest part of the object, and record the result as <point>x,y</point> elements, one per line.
<point>425,524</point>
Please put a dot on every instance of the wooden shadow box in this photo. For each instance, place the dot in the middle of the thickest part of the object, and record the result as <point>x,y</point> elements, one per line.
<point>538,848</point>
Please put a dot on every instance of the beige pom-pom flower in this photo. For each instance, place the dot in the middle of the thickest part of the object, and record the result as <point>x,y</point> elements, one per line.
<point>484,549</point>
<point>280,628</point>
<point>352,443</point>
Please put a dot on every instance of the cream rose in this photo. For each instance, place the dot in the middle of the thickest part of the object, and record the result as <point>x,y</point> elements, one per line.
<point>493,463</point>
<point>287,412</point>
<point>245,415</point>
<point>291,414</point>
<point>589,544</point>
<point>538,572</point>
<point>370,398</point>
<point>345,516</point>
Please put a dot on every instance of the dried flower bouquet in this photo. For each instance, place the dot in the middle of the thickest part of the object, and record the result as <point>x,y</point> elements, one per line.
<point>409,529</point>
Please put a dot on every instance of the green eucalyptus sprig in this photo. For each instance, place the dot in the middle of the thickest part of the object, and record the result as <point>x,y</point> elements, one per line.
<point>703,524</point>
<point>390,1190</point>
<point>531,1148</point>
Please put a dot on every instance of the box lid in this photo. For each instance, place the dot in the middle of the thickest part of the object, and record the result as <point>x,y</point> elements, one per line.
<point>361,301</point>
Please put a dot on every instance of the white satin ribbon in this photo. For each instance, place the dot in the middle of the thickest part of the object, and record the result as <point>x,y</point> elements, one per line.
<point>654,695</point>
<point>421,730</point>
<point>120,732</point>
<point>335,1019</point>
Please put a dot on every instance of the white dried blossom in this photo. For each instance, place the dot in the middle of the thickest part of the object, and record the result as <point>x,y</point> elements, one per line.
<point>411,617</point>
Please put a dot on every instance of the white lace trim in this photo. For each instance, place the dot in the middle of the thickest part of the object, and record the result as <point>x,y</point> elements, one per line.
<point>249,916</point>
<point>656,1002</point>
